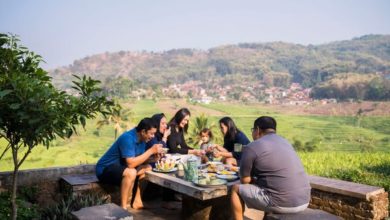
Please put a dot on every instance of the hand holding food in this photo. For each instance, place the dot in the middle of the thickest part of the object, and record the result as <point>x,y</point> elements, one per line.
<point>157,149</point>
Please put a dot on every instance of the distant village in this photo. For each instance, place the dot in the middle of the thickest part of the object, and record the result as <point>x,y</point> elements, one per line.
<point>195,91</point>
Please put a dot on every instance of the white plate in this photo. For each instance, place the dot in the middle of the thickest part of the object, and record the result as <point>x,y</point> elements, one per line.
<point>226,172</point>
<point>221,182</point>
<point>215,162</point>
<point>165,171</point>
<point>227,177</point>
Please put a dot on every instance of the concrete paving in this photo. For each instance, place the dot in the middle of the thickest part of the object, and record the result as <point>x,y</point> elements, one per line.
<point>156,212</point>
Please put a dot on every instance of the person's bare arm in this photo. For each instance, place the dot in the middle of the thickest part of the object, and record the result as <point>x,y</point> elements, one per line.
<point>133,162</point>
<point>246,180</point>
<point>223,154</point>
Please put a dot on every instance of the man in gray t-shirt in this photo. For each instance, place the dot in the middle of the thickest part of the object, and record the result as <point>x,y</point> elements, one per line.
<point>272,176</point>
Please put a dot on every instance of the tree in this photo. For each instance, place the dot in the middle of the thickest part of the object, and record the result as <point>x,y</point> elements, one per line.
<point>201,122</point>
<point>33,111</point>
<point>119,117</point>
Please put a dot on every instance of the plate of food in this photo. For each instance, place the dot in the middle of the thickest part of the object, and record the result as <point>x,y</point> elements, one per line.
<point>164,171</point>
<point>210,182</point>
<point>226,172</point>
<point>208,175</point>
<point>165,166</point>
<point>215,167</point>
<point>228,177</point>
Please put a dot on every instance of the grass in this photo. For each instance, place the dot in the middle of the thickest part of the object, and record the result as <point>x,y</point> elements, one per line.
<point>337,133</point>
<point>365,168</point>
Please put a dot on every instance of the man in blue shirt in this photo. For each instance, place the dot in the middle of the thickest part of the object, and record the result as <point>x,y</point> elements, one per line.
<point>127,159</point>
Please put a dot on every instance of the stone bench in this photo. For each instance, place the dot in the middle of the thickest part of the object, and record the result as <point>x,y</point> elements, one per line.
<point>78,183</point>
<point>102,212</point>
<point>308,214</point>
<point>347,199</point>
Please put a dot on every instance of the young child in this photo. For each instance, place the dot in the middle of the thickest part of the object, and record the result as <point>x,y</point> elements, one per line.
<point>205,144</point>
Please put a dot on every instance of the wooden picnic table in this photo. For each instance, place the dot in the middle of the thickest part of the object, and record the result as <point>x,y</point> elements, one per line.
<point>198,202</point>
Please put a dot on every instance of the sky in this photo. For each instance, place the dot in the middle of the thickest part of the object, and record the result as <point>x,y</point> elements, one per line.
<point>62,31</point>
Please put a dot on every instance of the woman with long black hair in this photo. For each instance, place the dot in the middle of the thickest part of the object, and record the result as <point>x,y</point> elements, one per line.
<point>231,135</point>
<point>179,126</point>
<point>162,133</point>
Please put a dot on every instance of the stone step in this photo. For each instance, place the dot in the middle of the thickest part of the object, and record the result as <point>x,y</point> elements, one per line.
<point>78,183</point>
<point>308,214</point>
<point>102,212</point>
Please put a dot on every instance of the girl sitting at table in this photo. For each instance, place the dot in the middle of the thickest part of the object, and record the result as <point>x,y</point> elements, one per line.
<point>206,136</point>
<point>231,135</point>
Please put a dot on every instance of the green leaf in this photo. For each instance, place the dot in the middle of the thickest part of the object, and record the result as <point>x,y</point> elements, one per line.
<point>15,106</point>
<point>82,121</point>
<point>5,92</point>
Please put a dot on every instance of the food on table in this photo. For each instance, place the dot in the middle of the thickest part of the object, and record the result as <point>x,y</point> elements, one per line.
<point>210,181</point>
<point>226,172</point>
<point>212,168</point>
<point>165,164</point>
<point>235,169</point>
<point>208,175</point>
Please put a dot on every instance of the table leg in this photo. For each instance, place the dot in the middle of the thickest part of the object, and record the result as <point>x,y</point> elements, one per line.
<point>195,209</point>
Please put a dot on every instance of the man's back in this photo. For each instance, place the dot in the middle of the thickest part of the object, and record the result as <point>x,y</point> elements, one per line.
<point>277,169</point>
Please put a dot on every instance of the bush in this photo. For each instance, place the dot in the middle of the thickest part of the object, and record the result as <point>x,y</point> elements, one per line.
<point>308,146</point>
<point>26,210</point>
<point>66,206</point>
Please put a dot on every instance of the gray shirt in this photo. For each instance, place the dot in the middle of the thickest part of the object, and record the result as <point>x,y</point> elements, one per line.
<point>276,168</point>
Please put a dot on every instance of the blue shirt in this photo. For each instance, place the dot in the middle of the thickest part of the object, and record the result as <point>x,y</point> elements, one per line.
<point>125,146</point>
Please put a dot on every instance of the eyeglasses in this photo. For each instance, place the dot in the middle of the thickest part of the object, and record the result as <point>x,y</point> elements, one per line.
<point>253,129</point>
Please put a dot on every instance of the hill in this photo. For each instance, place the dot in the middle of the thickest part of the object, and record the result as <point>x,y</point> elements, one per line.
<point>248,64</point>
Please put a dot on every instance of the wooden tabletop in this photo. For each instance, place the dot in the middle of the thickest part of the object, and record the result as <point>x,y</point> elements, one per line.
<point>169,180</point>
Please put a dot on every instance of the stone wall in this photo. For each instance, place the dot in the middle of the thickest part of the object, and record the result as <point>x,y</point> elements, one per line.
<point>349,200</point>
<point>37,176</point>
<point>45,180</point>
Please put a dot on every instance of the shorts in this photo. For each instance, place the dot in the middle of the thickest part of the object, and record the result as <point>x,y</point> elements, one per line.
<point>256,198</point>
<point>112,174</point>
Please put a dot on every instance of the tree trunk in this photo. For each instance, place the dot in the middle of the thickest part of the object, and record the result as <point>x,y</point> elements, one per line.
<point>14,181</point>
<point>13,195</point>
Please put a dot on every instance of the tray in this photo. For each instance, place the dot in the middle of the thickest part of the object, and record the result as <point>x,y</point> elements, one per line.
<point>165,171</point>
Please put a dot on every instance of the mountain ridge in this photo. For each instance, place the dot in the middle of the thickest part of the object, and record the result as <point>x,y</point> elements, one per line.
<point>277,63</point>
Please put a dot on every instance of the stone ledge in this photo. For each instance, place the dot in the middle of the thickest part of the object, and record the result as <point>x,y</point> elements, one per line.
<point>102,212</point>
<point>307,214</point>
<point>355,190</point>
<point>36,176</point>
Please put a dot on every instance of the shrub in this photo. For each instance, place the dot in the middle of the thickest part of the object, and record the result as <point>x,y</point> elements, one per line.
<point>63,209</point>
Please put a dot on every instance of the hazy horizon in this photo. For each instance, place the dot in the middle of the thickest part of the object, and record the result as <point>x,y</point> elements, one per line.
<point>64,31</point>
